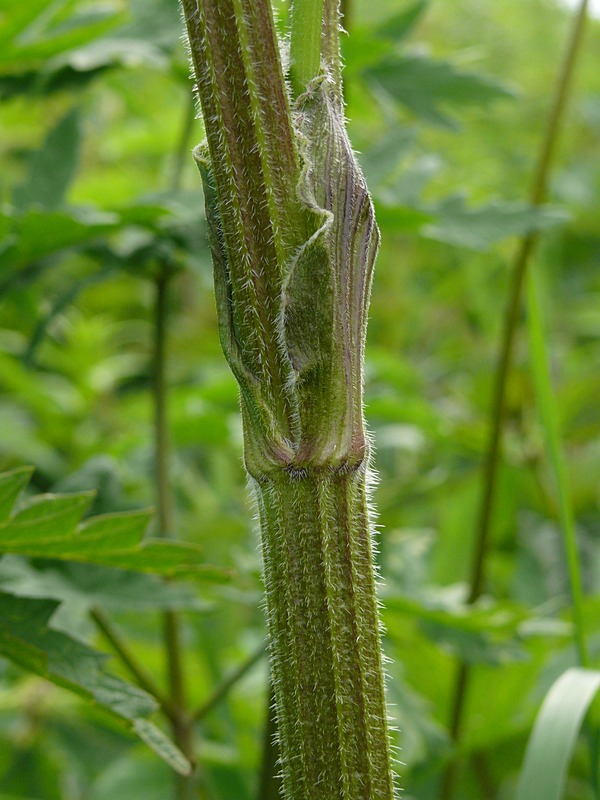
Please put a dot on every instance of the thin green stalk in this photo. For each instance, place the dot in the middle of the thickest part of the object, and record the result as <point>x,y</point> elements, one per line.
<point>305,43</point>
<point>512,316</point>
<point>136,670</point>
<point>180,722</point>
<point>225,687</point>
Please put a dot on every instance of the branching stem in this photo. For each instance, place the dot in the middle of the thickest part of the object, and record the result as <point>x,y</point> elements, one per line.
<point>225,687</point>
<point>121,648</point>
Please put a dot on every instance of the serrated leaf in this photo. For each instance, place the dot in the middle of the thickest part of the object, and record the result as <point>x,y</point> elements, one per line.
<point>63,660</point>
<point>47,527</point>
<point>479,228</point>
<point>53,166</point>
<point>427,86</point>
<point>47,517</point>
<point>27,640</point>
<point>172,559</point>
<point>118,531</point>
<point>555,733</point>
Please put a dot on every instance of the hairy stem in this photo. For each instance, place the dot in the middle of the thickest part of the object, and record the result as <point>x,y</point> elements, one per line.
<point>293,237</point>
<point>511,321</point>
<point>324,629</point>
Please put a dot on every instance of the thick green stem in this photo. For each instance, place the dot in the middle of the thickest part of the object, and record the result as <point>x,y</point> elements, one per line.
<point>294,240</point>
<point>324,630</point>
<point>511,321</point>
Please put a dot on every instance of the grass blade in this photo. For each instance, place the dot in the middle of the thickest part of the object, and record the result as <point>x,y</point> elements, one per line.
<point>555,733</point>
<point>549,419</point>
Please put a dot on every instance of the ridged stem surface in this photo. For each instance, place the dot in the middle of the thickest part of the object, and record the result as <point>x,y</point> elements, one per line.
<point>323,621</point>
<point>293,237</point>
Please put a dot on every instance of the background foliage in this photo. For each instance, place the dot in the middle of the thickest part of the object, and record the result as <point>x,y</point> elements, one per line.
<point>446,104</point>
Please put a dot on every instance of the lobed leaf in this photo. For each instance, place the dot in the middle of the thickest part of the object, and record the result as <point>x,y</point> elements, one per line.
<point>48,526</point>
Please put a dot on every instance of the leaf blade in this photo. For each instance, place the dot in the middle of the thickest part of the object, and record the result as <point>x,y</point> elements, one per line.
<point>554,735</point>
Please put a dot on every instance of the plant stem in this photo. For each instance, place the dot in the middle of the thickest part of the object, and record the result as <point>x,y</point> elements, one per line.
<point>223,688</point>
<point>305,43</point>
<point>180,722</point>
<point>181,726</point>
<point>512,315</point>
<point>294,240</point>
<point>135,669</point>
<point>318,562</point>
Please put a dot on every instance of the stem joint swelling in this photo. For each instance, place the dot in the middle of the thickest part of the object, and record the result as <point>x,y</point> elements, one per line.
<point>293,238</point>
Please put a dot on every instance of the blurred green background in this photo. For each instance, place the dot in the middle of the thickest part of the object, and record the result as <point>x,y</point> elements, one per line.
<point>446,105</point>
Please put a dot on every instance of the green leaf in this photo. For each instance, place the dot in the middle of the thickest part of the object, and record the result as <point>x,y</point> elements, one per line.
<point>39,234</point>
<point>555,733</point>
<point>33,34</point>
<point>399,26</point>
<point>111,52</point>
<point>81,587</point>
<point>11,485</point>
<point>47,527</point>
<point>161,745</point>
<point>45,518</point>
<point>27,640</point>
<point>53,166</point>
<point>479,228</point>
<point>549,418</point>
<point>479,634</point>
<point>427,87</point>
